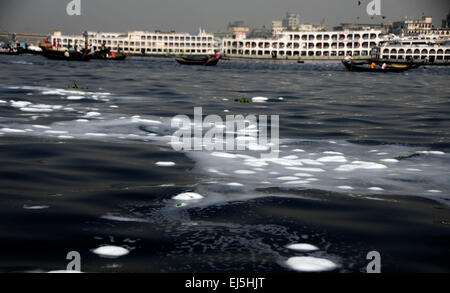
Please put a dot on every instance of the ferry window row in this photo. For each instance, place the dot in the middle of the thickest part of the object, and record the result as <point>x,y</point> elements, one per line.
<point>326,37</point>
<point>269,53</point>
<point>176,38</point>
<point>416,51</point>
<point>281,45</point>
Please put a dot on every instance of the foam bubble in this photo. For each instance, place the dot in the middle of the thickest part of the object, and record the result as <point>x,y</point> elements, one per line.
<point>234,184</point>
<point>434,191</point>
<point>244,172</point>
<point>337,159</point>
<point>345,187</point>
<point>389,160</point>
<point>223,155</point>
<point>92,114</point>
<point>111,251</point>
<point>64,272</point>
<point>288,178</point>
<point>165,164</point>
<point>188,196</point>
<point>38,207</point>
<point>302,247</point>
<point>259,99</point>
<point>310,264</point>
<point>12,130</point>
<point>121,219</point>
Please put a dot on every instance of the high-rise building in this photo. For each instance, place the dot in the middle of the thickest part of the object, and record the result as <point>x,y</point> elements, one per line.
<point>292,21</point>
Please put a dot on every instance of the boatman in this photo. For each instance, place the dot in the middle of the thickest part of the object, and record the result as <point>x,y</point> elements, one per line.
<point>373,65</point>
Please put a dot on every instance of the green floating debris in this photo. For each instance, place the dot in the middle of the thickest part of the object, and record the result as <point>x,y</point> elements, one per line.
<point>75,86</point>
<point>243,100</point>
<point>403,157</point>
<point>179,205</point>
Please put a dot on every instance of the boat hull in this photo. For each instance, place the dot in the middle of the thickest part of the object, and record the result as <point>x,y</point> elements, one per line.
<point>200,60</point>
<point>61,55</point>
<point>365,67</point>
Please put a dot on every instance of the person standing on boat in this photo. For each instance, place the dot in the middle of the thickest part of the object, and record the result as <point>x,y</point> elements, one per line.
<point>384,66</point>
<point>373,65</point>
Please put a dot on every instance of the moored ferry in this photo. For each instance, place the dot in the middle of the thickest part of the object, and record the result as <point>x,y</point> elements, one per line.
<point>308,45</point>
<point>418,49</point>
<point>144,43</point>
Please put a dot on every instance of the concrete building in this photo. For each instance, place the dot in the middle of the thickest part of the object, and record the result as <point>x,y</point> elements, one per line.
<point>292,21</point>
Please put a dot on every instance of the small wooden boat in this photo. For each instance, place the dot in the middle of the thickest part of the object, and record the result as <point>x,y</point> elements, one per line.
<point>69,55</point>
<point>205,60</point>
<point>106,54</point>
<point>366,67</point>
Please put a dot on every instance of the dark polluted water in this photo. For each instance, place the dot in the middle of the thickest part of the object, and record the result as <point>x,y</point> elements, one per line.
<point>363,165</point>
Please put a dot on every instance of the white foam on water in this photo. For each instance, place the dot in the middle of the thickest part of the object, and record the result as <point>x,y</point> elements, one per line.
<point>37,110</point>
<point>333,153</point>
<point>165,164</point>
<point>95,134</point>
<point>224,155</point>
<point>303,175</point>
<point>75,98</point>
<point>235,184</point>
<point>122,219</point>
<point>64,272</point>
<point>431,152</point>
<point>296,182</point>
<point>345,187</point>
<point>244,172</point>
<point>92,114</point>
<point>56,131</point>
<point>188,196</point>
<point>310,264</point>
<point>336,159</point>
<point>288,178</point>
<point>37,207</point>
<point>389,160</point>
<point>259,99</point>
<point>41,126</point>
<point>374,188</point>
<point>360,165</point>
<point>302,247</point>
<point>298,151</point>
<point>111,251</point>
<point>434,191</point>
<point>12,130</point>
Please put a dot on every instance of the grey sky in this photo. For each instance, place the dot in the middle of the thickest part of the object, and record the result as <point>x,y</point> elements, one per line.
<point>45,16</point>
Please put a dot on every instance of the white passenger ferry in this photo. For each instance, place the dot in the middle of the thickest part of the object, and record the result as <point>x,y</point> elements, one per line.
<point>431,49</point>
<point>144,43</point>
<point>318,45</point>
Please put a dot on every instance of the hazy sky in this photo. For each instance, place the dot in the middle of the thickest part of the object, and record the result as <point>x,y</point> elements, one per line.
<point>45,16</point>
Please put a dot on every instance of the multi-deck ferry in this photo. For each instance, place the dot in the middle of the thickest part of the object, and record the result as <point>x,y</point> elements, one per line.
<point>317,45</point>
<point>144,43</point>
<point>424,49</point>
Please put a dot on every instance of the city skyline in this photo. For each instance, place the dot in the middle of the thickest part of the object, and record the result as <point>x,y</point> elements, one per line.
<point>114,15</point>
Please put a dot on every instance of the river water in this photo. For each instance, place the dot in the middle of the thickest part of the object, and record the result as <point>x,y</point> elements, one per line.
<point>363,165</point>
